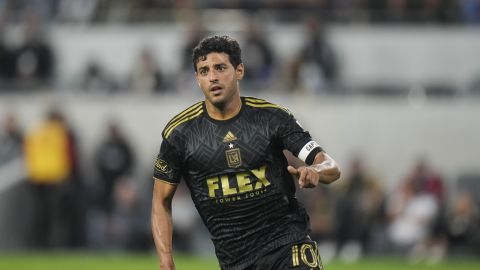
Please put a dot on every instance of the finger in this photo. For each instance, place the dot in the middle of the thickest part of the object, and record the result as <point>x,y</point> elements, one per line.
<point>306,179</point>
<point>292,170</point>
<point>311,179</point>
<point>310,183</point>
<point>301,178</point>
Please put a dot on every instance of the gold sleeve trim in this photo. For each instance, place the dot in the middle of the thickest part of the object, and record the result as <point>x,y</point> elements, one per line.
<point>163,181</point>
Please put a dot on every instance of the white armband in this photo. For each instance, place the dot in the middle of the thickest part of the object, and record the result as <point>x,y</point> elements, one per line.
<point>307,149</point>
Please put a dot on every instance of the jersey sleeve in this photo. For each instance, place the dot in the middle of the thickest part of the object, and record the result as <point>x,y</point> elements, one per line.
<point>295,139</point>
<point>168,164</point>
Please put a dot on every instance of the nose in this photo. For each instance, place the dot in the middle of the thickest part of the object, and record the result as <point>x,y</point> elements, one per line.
<point>212,76</point>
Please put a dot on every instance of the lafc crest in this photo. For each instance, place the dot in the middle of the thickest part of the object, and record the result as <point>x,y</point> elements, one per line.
<point>234,158</point>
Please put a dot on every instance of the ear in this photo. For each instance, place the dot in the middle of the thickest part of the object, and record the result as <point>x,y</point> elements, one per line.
<point>240,71</point>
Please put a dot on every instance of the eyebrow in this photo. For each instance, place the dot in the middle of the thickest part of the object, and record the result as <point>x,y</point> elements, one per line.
<point>206,67</point>
<point>220,65</point>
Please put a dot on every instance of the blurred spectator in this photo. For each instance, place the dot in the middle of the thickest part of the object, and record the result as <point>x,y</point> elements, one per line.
<point>128,228</point>
<point>147,77</point>
<point>428,180</point>
<point>95,80</point>
<point>259,57</point>
<point>315,69</point>
<point>114,159</point>
<point>411,212</point>
<point>34,63</point>
<point>425,210</point>
<point>49,167</point>
<point>359,203</point>
<point>414,212</point>
<point>48,151</point>
<point>7,56</point>
<point>11,140</point>
<point>463,225</point>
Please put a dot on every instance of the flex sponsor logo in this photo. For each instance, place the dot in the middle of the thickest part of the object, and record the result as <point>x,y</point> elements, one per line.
<point>239,186</point>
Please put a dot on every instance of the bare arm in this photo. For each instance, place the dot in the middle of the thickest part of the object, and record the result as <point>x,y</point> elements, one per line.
<point>323,170</point>
<point>162,228</point>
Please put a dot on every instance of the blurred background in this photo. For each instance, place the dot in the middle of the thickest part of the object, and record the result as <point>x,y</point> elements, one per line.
<point>390,88</point>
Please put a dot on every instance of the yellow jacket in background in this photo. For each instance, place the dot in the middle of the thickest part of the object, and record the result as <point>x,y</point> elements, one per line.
<point>47,153</point>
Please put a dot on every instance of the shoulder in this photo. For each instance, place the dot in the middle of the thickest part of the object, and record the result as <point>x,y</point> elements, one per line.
<point>264,105</point>
<point>184,116</point>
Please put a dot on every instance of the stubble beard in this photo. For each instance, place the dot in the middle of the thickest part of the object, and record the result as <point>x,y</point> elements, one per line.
<point>224,99</point>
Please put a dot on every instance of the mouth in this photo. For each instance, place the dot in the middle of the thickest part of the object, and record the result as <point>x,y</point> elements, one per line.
<point>216,90</point>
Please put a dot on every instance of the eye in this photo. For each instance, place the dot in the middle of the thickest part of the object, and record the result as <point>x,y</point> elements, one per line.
<point>221,68</point>
<point>203,72</point>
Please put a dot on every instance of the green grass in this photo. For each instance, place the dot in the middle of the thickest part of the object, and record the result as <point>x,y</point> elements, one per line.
<point>120,261</point>
<point>399,264</point>
<point>92,261</point>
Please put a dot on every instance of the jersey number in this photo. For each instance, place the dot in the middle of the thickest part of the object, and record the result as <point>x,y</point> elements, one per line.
<point>308,254</point>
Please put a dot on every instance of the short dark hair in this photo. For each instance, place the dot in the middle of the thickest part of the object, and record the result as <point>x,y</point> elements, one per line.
<point>219,44</point>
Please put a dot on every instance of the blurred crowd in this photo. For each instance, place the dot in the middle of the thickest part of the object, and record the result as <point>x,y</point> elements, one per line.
<point>30,63</point>
<point>62,207</point>
<point>423,217</point>
<point>370,11</point>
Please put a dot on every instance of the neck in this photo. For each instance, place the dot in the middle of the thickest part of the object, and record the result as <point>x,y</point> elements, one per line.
<point>224,111</point>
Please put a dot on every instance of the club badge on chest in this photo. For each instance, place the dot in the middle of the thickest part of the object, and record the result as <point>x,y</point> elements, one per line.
<point>232,154</point>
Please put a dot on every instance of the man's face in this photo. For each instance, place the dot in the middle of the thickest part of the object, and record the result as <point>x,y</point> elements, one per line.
<point>218,78</point>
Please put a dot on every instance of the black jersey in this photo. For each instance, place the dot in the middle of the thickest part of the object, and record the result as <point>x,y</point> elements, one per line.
<point>237,175</point>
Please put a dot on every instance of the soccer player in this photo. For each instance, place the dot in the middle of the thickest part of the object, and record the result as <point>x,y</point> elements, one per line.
<point>228,149</point>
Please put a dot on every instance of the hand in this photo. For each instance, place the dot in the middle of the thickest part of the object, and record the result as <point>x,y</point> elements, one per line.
<point>307,176</point>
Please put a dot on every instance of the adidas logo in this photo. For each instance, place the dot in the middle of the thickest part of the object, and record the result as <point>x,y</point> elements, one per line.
<point>229,137</point>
